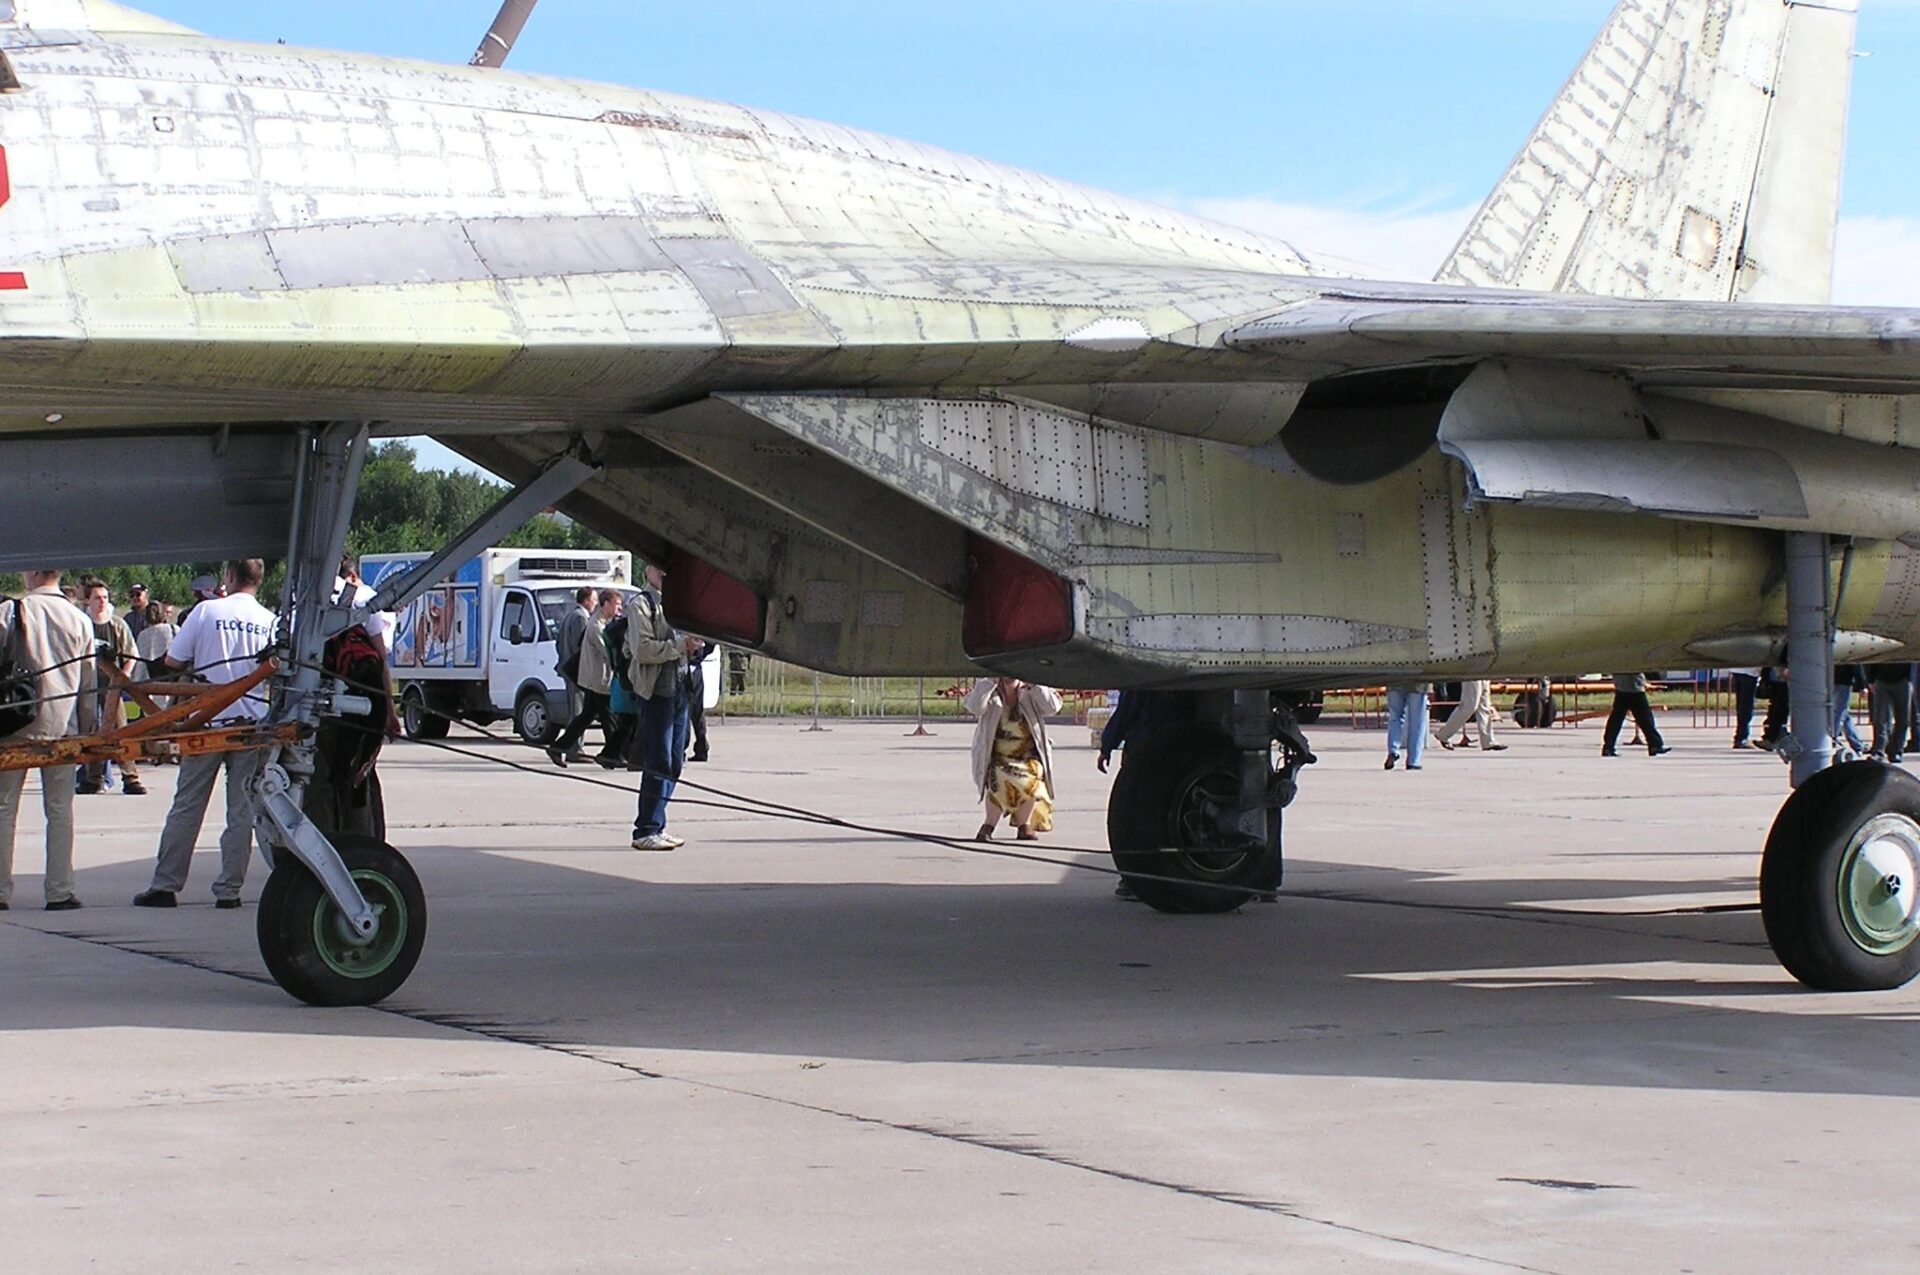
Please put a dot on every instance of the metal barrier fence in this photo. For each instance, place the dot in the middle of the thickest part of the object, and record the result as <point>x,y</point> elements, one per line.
<point>756,686</point>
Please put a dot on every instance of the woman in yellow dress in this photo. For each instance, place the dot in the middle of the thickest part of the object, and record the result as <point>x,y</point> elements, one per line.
<point>1012,756</point>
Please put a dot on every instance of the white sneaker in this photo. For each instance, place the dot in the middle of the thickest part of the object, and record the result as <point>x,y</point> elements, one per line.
<point>658,841</point>
<point>673,842</point>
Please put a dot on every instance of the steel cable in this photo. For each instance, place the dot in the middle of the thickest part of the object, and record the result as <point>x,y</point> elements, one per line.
<point>748,805</point>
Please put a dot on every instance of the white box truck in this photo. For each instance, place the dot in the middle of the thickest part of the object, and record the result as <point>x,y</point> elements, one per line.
<point>480,646</point>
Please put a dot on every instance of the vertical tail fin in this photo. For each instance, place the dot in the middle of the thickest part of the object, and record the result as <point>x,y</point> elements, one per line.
<point>1695,155</point>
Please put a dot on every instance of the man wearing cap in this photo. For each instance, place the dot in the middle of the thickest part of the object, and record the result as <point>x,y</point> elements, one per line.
<point>136,616</point>
<point>205,589</point>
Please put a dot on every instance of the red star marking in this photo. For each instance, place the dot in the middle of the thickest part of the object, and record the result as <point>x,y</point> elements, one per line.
<point>10,280</point>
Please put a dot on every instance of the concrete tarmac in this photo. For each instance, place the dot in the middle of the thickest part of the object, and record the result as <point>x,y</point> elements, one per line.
<point>1483,1032</point>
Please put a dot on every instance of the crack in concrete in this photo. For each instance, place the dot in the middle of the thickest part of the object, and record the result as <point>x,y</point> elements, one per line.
<point>1569,1184</point>
<point>1473,1261</point>
<point>1316,1034</point>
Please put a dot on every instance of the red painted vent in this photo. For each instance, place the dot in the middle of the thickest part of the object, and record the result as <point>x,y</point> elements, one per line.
<point>702,598</point>
<point>1013,603</point>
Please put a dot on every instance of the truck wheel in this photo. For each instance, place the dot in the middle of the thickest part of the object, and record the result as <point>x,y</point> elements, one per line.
<point>1162,830</point>
<point>305,943</point>
<point>531,720</point>
<point>419,723</point>
<point>1840,880</point>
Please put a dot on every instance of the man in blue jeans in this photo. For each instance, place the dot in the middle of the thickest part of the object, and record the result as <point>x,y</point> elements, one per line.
<point>1407,722</point>
<point>656,669</point>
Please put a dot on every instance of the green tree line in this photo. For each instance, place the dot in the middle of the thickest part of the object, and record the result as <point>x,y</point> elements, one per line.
<point>401,508</point>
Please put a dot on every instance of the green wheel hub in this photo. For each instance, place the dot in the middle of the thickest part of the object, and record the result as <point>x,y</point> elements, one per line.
<point>336,943</point>
<point>1879,885</point>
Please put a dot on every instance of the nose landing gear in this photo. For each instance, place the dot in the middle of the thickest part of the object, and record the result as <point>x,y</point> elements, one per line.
<point>312,951</point>
<point>343,918</point>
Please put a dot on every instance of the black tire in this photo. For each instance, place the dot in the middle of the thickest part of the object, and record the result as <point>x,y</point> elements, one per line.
<point>1157,828</point>
<point>1532,710</point>
<point>1307,709</point>
<point>415,717</point>
<point>297,938</point>
<point>531,721</point>
<point>1813,863</point>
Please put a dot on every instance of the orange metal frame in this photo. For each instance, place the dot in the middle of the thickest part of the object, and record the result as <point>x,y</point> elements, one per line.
<point>186,723</point>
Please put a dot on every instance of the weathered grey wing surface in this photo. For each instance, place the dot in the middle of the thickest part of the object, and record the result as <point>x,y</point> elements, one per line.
<point>1653,342</point>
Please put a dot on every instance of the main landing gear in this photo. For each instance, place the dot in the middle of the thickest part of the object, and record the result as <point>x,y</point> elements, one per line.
<point>1194,817</point>
<point>1840,883</point>
<point>1840,880</point>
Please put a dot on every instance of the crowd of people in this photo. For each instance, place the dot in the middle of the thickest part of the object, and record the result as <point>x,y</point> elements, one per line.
<point>626,669</point>
<point>629,672</point>
<point>1891,691</point>
<point>82,651</point>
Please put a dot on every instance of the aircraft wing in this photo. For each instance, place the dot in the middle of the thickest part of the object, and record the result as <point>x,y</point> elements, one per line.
<point>1107,326</point>
<point>1656,343</point>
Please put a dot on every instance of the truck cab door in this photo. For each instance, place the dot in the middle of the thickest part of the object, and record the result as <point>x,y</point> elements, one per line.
<point>516,649</point>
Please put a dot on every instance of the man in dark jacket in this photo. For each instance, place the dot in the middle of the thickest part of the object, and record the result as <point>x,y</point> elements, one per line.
<point>571,636</point>
<point>656,669</point>
<point>1138,715</point>
<point>696,687</point>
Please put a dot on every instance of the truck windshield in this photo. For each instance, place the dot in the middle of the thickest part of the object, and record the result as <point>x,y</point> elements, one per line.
<point>554,605</point>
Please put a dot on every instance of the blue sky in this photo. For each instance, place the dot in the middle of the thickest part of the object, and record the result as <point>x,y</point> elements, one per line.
<point>1365,128</point>
<point>1359,103</point>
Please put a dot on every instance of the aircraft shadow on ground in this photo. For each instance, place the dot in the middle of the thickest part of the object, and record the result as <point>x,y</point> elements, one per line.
<point>1370,973</point>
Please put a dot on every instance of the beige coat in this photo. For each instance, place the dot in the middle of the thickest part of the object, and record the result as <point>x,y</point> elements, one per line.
<point>596,666</point>
<point>654,655</point>
<point>1037,703</point>
<point>58,633</point>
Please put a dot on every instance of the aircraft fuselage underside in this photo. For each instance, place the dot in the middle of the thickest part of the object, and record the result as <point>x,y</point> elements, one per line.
<point>883,409</point>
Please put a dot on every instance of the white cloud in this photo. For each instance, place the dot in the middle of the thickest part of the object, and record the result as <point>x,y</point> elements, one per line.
<point>1397,244</point>
<point>1877,262</point>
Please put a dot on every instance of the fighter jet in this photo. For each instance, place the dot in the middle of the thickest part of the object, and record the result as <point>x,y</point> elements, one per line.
<point>884,409</point>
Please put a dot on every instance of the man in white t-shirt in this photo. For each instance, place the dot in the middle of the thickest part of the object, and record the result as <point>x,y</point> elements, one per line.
<point>221,641</point>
